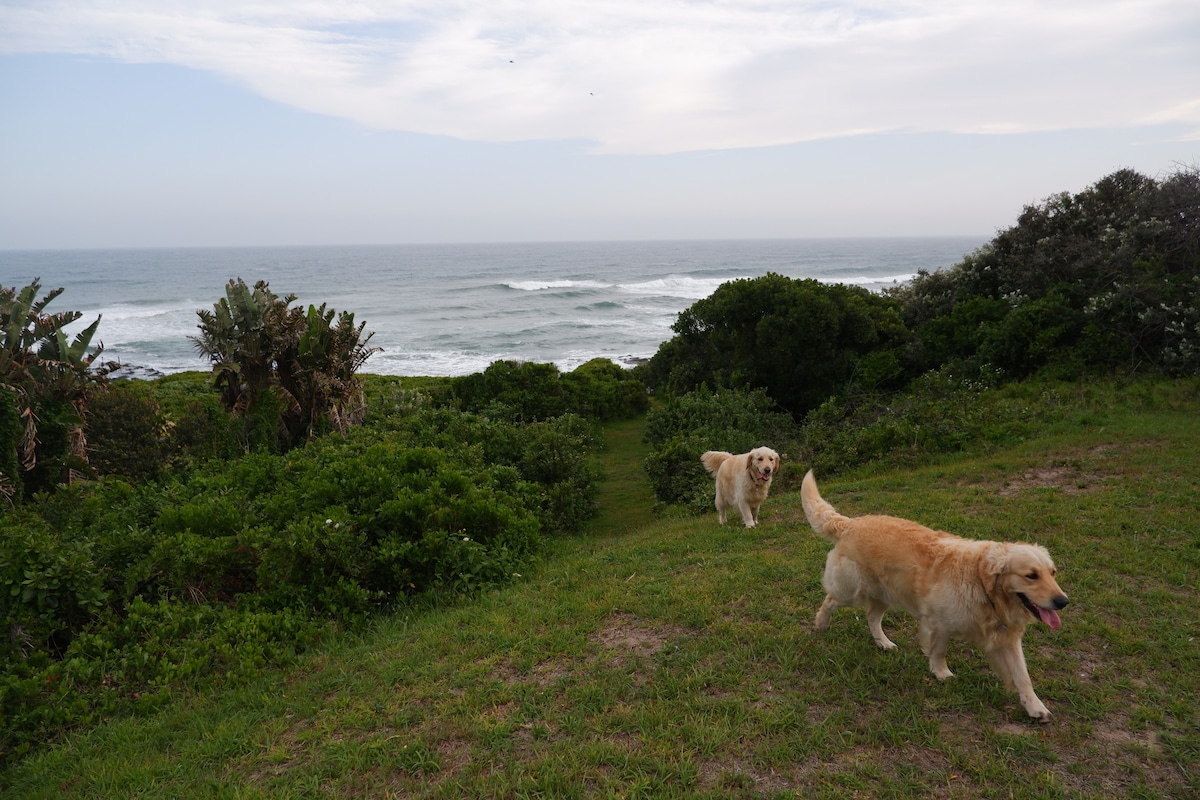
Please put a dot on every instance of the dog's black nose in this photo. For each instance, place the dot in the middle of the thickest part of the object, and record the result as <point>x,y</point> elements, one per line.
<point>1060,602</point>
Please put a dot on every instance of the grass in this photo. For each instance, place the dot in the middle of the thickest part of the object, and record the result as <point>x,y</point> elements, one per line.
<point>655,657</point>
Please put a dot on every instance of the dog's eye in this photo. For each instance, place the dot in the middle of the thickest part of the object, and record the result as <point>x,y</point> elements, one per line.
<point>1033,576</point>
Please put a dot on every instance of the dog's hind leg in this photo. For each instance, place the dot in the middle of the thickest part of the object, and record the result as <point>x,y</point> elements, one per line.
<point>825,613</point>
<point>875,612</point>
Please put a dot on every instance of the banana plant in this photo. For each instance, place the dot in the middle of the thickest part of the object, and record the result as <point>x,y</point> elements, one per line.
<point>318,374</point>
<point>242,335</point>
<point>43,373</point>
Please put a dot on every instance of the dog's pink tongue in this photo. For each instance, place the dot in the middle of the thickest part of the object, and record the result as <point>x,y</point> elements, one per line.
<point>1050,618</point>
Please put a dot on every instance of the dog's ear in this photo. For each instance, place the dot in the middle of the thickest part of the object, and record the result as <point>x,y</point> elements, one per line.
<point>995,563</point>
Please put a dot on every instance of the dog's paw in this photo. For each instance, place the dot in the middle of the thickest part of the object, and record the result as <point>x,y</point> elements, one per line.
<point>943,674</point>
<point>1038,712</point>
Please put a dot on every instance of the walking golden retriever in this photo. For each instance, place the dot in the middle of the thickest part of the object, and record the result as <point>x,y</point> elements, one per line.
<point>742,480</point>
<point>982,592</point>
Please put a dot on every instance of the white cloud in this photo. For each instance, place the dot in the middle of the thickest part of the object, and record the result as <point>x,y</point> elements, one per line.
<point>643,76</point>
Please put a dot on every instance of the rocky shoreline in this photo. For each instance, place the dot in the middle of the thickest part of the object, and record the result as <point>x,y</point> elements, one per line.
<point>132,372</point>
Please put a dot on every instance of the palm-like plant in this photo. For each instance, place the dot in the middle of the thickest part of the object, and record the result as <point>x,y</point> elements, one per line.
<point>242,336</point>
<point>318,373</point>
<point>43,374</point>
<point>258,343</point>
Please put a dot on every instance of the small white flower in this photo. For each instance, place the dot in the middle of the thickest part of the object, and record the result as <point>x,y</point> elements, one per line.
<point>328,522</point>
<point>466,538</point>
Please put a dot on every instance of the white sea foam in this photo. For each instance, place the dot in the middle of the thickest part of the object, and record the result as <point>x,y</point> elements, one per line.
<point>677,286</point>
<point>537,286</point>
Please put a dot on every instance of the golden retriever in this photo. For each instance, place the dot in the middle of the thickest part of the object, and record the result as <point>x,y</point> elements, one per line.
<point>742,480</point>
<point>978,591</point>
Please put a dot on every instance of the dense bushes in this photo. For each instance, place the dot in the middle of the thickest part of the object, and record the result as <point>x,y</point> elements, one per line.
<point>598,389</point>
<point>1106,279</point>
<point>117,590</point>
<point>800,340</point>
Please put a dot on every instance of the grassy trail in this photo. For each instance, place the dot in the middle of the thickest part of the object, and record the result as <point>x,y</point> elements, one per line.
<point>625,501</point>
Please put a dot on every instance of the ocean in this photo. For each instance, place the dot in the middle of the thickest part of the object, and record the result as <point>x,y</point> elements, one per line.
<point>453,309</point>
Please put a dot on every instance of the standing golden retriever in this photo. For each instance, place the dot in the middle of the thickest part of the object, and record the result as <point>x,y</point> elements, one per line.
<point>742,480</point>
<point>981,592</point>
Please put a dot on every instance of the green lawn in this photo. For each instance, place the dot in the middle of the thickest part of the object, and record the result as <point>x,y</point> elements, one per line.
<point>655,657</point>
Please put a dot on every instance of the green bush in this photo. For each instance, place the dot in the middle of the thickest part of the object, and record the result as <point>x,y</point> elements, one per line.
<point>528,391</point>
<point>1105,279</point>
<point>800,340</point>
<point>512,390</point>
<point>118,589</point>
<point>600,389</point>
<point>49,586</point>
<point>126,432</point>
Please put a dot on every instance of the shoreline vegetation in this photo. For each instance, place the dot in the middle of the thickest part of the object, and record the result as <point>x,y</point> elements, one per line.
<point>291,577</point>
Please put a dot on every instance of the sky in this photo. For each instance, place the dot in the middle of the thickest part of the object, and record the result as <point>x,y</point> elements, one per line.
<point>180,123</point>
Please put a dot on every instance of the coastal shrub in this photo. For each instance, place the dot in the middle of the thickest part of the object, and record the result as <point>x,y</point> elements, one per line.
<point>126,433</point>
<point>683,427</point>
<point>942,412</point>
<point>550,460</point>
<point>800,340</point>
<point>1106,279</point>
<point>527,391</point>
<point>603,390</point>
<point>114,587</point>
<point>513,390</point>
<point>49,585</point>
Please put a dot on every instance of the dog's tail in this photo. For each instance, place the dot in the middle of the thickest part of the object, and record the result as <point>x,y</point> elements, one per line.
<point>713,459</point>
<point>822,516</point>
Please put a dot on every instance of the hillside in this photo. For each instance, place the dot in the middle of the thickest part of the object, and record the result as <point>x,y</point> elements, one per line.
<point>669,657</point>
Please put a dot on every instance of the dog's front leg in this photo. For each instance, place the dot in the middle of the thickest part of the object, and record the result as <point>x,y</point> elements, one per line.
<point>749,517</point>
<point>1009,662</point>
<point>933,644</point>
